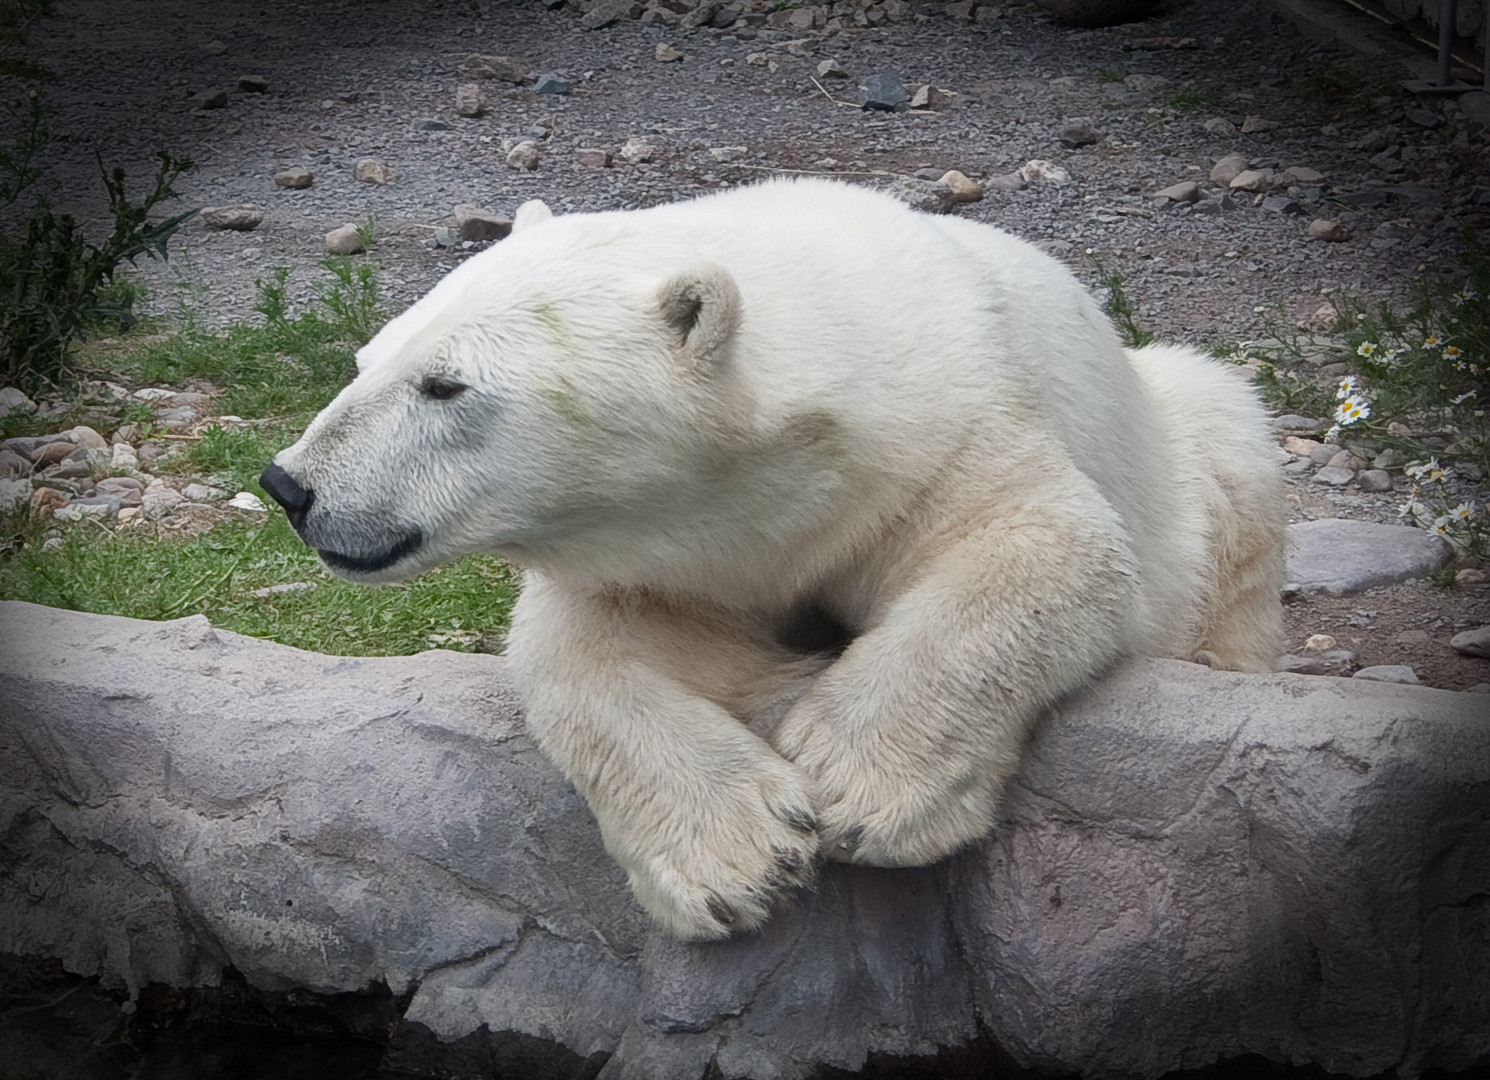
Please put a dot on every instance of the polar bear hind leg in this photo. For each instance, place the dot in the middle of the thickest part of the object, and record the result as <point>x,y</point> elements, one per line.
<point>1218,445</point>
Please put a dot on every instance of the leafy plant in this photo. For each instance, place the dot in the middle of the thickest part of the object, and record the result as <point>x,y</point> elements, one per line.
<point>54,283</point>
<point>1120,307</point>
<point>1418,380</point>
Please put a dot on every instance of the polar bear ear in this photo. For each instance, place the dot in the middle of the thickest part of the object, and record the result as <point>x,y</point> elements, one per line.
<point>533,212</point>
<point>702,305</point>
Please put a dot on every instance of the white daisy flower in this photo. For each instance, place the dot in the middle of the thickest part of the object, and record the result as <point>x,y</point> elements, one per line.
<point>1366,348</point>
<point>1462,398</point>
<point>1346,388</point>
<point>1462,512</point>
<point>1353,408</point>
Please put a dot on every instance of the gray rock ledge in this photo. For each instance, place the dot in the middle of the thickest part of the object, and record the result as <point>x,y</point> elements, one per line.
<point>1194,866</point>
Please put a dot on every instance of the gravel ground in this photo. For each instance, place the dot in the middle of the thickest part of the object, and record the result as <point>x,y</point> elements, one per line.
<point>378,79</point>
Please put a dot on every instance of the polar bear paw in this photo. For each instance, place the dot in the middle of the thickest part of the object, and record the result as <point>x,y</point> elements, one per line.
<point>720,864</point>
<point>875,810</point>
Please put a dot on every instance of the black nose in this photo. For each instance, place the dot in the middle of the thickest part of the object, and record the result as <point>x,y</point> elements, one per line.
<point>283,489</point>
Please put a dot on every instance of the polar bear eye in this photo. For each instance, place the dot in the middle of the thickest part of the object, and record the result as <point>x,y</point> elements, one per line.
<point>440,389</point>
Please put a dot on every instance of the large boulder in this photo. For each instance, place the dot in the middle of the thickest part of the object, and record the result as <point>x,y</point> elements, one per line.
<point>1194,866</point>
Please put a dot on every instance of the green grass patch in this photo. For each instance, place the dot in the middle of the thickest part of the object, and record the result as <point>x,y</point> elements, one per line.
<point>276,372</point>
<point>463,606</point>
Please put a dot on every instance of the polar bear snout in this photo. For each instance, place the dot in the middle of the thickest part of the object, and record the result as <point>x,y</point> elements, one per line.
<point>286,490</point>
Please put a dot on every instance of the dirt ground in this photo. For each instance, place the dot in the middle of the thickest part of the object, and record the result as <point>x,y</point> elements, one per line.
<point>1166,98</point>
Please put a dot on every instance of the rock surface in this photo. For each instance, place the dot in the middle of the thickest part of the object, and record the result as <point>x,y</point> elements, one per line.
<point>1335,555</point>
<point>1193,866</point>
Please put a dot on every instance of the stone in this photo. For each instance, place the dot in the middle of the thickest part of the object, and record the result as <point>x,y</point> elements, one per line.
<point>666,54</point>
<point>1324,453</point>
<point>1472,576</point>
<point>1213,856</point>
<point>882,92</point>
<point>1344,459</point>
<point>830,69</point>
<point>1319,643</point>
<point>1093,13</point>
<point>159,499</point>
<point>1038,171</point>
<point>725,154</point>
<point>524,156</point>
<point>248,501</point>
<point>1281,204</point>
<point>470,102</point>
<point>549,83</point>
<point>296,178</point>
<point>1472,642</point>
<point>179,418</point>
<point>210,99</point>
<point>1376,481</point>
<point>253,84</point>
<point>964,190</point>
<point>502,68</point>
<point>1252,125</point>
<point>14,400</point>
<point>202,493</point>
<point>1302,447</point>
<point>606,12</point>
<point>927,196</point>
<point>593,157</point>
<point>236,218</point>
<point>371,171</point>
<point>475,224</point>
<point>15,495</point>
<point>52,453</point>
<point>1219,125</point>
<point>1228,169</point>
<point>1078,132</point>
<point>87,438</point>
<point>637,150</point>
<point>280,590</point>
<point>927,96</point>
<point>1300,175</point>
<point>1388,673</point>
<point>13,465</point>
<point>1005,182</point>
<point>126,489</point>
<point>1331,231</point>
<point>1331,662</point>
<point>431,123</point>
<point>1253,180</point>
<point>1337,556</point>
<point>343,241</point>
<point>1187,191</point>
<point>46,501</point>
<point>1334,477</point>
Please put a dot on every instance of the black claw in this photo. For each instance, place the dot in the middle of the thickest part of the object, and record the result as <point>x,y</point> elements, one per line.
<point>789,861</point>
<point>721,911</point>
<point>801,820</point>
<point>851,838</point>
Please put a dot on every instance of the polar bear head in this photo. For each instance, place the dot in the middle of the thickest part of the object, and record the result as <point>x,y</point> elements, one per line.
<point>550,395</point>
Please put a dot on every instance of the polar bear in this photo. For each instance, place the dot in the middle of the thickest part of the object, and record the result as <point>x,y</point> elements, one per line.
<point>821,503</point>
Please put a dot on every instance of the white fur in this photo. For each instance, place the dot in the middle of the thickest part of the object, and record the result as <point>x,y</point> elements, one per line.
<point>688,422</point>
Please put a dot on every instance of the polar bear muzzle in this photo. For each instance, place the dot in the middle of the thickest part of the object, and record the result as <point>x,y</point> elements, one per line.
<point>296,500</point>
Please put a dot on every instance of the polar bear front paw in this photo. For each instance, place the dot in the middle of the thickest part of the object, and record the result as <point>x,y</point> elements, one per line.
<point>881,810</point>
<point>719,863</point>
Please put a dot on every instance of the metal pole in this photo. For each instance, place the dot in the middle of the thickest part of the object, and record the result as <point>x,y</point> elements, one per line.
<point>1445,41</point>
